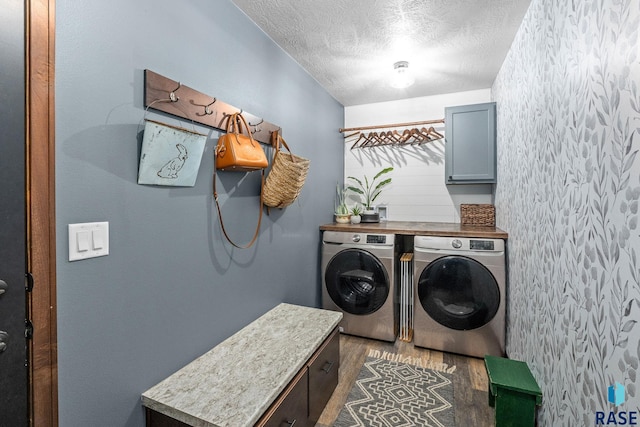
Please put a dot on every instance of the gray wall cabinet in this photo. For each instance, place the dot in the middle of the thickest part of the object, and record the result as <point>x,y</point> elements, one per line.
<point>470,144</point>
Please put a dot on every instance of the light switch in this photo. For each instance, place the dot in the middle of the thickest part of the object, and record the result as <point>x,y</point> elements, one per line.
<point>82,238</point>
<point>98,241</point>
<point>88,240</point>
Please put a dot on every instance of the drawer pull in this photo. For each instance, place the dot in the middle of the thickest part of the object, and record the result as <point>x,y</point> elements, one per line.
<point>327,367</point>
<point>291,423</point>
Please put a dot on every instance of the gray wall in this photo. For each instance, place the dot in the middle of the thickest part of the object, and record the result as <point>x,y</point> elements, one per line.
<point>171,287</point>
<point>568,190</point>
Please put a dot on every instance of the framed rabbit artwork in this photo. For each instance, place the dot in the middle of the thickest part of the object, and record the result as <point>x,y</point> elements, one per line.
<point>170,155</point>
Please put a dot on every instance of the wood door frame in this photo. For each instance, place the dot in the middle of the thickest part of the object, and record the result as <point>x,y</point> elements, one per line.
<point>41,226</point>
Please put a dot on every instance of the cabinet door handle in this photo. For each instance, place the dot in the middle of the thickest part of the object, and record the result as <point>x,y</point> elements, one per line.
<point>4,337</point>
<point>327,367</point>
<point>291,423</point>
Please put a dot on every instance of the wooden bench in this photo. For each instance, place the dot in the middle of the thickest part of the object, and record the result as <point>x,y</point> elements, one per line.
<point>512,391</point>
<point>280,369</point>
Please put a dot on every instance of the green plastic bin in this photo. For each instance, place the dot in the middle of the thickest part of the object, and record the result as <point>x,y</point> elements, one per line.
<point>512,391</point>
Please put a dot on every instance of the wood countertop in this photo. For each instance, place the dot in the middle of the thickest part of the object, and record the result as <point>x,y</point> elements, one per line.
<point>445,229</point>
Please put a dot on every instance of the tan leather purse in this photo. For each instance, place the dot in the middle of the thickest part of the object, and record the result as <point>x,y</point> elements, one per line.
<point>240,153</point>
<point>237,151</point>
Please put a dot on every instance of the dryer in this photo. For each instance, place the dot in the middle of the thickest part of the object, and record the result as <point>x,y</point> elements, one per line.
<point>460,295</point>
<point>358,279</point>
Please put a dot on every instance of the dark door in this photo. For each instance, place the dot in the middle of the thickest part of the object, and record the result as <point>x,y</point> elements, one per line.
<point>357,281</point>
<point>459,292</point>
<point>13,348</point>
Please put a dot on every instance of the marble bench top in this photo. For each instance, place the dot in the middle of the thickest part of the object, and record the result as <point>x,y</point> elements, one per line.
<point>234,383</point>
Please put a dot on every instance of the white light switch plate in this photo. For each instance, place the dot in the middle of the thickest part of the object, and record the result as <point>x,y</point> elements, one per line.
<point>88,240</point>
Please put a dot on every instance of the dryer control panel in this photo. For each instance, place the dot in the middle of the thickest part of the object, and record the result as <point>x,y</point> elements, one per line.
<point>481,245</point>
<point>457,244</point>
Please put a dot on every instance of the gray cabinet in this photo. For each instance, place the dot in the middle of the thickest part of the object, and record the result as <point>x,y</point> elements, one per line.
<point>292,408</point>
<point>470,144</point>
<point>323,376</point>
<point>306,396</point>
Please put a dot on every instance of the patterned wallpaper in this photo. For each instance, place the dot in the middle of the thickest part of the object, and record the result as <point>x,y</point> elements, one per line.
<point>568,101</point>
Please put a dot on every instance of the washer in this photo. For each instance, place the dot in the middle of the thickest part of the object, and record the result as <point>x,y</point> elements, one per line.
<point>358,279</point>
<point>460,293</point>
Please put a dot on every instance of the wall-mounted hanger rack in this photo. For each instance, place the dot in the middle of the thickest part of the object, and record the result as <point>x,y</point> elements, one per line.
<point>409,136</point>
<point>172,97</point>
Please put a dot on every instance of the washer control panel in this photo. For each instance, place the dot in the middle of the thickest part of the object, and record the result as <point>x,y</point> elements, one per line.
<point>376,238</point>
<point>481,245</point>
<point>356,238</point>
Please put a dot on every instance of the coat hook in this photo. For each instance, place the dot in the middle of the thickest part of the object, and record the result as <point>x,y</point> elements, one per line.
<point>208,110</point>
<point>256,129</point>
<point>172,95</point>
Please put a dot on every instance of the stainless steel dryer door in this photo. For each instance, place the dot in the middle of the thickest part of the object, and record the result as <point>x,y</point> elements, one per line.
<point>458,292</point>
<point>356,281</point>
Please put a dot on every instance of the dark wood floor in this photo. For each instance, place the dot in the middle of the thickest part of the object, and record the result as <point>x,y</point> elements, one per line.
<point>469,379</point>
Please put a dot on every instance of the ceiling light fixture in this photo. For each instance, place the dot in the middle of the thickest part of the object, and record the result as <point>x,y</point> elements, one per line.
<point>401,78</point>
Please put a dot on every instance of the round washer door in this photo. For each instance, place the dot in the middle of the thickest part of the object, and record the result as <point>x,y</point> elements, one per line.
<point>356,281</point>
<point>459,292</point>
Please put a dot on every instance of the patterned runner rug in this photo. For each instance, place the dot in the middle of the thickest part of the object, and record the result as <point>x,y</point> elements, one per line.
<point>393,394</point>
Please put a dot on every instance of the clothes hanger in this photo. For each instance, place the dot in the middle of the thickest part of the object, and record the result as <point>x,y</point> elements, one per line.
<point>387,138</point>
<point>435,133</point>
<point>375,139</point>
<point>428,135</point>
<point>369,140</point>
<point>418,138</point>
<point>355,145</point>
<point>406,135</point>
<point>396,137</point>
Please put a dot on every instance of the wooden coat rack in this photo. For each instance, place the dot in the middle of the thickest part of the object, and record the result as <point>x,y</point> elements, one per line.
<point>410,136</point>
<point>172,97</point>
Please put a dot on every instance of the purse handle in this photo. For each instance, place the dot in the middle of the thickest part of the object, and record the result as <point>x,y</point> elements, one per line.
<point>233,118</point>
<point>224,231</point>
<point>276,140</point>
<point>236,121</point>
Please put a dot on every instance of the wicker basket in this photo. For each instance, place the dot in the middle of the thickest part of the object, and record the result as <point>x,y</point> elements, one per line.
<point>482,215</point>
<point>286,178</point>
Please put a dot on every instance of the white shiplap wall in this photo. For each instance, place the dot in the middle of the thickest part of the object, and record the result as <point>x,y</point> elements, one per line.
<point>418,191</point>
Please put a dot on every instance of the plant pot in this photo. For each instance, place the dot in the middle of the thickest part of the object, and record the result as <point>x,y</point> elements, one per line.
<point>355,219</point>
<point>342,218</point>
<point>370,217</point>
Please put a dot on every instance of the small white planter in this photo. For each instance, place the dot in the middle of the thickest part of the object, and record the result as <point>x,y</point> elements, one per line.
<point>342,219</point>
<point>355,219</point>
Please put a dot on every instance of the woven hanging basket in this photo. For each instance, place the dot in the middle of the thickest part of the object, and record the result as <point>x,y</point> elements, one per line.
<point>286,177</point>
<point>482,215</point>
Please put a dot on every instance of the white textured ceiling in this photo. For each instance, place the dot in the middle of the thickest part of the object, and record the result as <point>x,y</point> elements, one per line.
<point>349,46</point>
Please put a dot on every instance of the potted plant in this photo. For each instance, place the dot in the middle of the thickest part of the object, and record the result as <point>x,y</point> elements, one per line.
<point>370,190</point>
<point>355,214</point>
<point>341,210</point>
